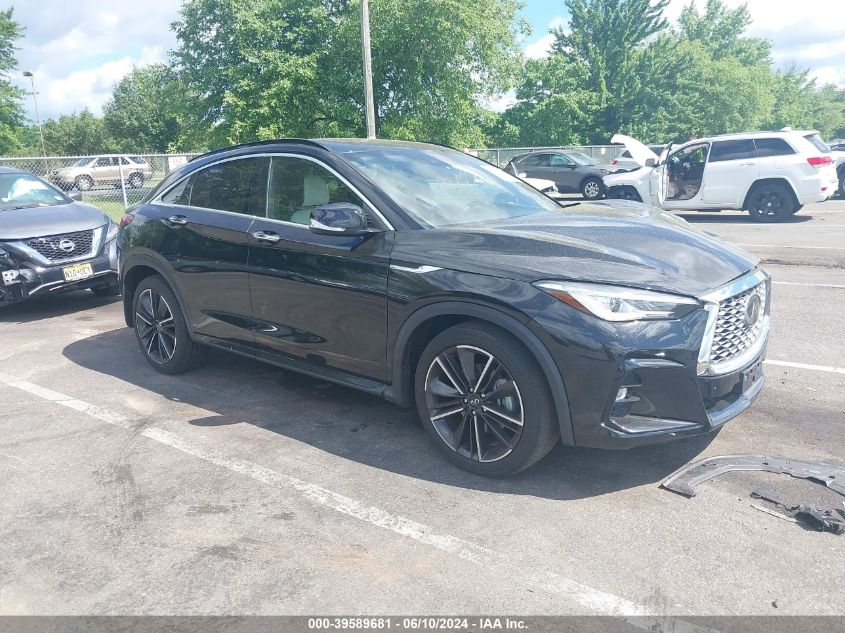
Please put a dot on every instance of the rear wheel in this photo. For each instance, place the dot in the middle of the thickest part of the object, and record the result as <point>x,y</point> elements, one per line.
<point>842,184</point>
<point>770,203</point>
<point>161,330</point>
<point>136,181</point>
<point>592,189</point>
<point>484,400</point>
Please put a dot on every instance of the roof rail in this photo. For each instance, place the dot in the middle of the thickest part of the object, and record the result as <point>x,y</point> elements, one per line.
<point>280,141</point>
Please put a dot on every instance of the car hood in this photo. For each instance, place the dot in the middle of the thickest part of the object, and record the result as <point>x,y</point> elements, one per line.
<point>19,224</point>
<point>621,243</point>
<point>640,153</point>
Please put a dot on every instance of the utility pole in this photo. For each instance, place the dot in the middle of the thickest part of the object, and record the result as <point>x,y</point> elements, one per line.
<point>368,69</point>
<point>37,116</point>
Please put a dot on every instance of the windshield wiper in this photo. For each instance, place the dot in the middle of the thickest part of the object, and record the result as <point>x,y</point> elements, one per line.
<point>27,206</point>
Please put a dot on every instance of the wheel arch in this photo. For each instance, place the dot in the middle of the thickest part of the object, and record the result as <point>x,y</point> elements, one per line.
<point>419,328</point>
<point>133,271</point>
<point>770,181</point>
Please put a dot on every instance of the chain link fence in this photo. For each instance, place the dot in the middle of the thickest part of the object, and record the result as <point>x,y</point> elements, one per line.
<point>501,156</point>
<point>111,182</point>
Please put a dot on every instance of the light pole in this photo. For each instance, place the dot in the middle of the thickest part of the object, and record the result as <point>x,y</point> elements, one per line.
<point>37,115</point>
<point>368,69</point>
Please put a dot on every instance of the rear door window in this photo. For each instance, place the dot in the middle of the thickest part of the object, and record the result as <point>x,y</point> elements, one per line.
<point>732,150</point>
<point>772,147</point>
<point>224,187</point>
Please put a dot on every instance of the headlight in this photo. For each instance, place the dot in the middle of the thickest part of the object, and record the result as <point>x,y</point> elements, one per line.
<point>615,303</point>
<point>111,233</point>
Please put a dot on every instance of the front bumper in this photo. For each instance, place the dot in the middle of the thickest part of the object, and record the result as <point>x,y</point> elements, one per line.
<point>23,279</point>
<point>639,383</point>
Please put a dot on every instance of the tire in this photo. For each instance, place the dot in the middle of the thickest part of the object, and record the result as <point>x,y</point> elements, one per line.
<point>515,430</point>
<point>592,189</point>
<point>110,290</point>
<point>136,180</point>
<point>168,347</point>
<point>842,184</point>
<point>770,203</point>
<point>630,193</point>
<point>84,183</point>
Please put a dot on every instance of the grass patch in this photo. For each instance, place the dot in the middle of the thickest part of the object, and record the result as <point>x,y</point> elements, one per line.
<point>112,208</point>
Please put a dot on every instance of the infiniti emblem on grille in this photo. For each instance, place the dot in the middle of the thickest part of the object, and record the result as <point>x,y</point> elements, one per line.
<point>67,245</point>
<point>753,308</point>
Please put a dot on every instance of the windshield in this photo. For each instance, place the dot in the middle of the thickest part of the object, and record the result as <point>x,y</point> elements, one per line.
<point>19,191</point>
<point>441,187</point>
<point>582,159</point>
<point>816,140</point>
<point>82,162</point>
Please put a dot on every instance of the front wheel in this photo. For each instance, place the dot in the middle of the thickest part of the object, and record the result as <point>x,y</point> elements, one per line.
<point>161,330</point>
<point>484,401</point>
<point>84,183</point>
<point>770,203</point>
<point>592,189</point>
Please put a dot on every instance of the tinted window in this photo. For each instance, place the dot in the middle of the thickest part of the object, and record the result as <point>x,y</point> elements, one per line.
<point>732,150</point>
<point>535,160</point>
<point>297,186</point>
<point>558,160</point>
<point>225,186</point>
<point>772,147</point>
<point>820,144</point>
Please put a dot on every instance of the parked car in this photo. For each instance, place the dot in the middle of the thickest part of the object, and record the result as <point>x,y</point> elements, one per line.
<point>50,242</point>
<point>625,162</point>
<point>86,173</point>
<point>769,174</point>
<point>434,279</point>
<point>838,154</point>
<point>570,171</point>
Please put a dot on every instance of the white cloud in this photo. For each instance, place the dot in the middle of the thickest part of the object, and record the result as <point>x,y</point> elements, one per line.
<point>542,47</point>
<point>809,34</point>
<point>78,53</point>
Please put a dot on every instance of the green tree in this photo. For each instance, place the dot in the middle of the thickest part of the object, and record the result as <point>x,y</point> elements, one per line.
<point>272,68</point>
<point>77,135</point>
<point>140,116</point>
<point>11,108</point>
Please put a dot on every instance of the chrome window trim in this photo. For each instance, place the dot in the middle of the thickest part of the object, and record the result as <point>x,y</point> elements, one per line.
<point>711,304</point>
<point>372,207</point>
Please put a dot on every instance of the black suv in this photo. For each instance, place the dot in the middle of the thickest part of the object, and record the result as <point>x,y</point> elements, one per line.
<point>432,278</point>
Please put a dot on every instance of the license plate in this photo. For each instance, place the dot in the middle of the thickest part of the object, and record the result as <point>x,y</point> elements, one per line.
<point>77,272</point>
<point>751,375</point>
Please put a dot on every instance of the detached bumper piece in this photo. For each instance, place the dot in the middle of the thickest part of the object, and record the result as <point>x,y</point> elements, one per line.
<point>685,480</point>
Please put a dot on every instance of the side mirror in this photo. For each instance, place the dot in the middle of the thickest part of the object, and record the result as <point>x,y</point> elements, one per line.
<point>650,162</point>
<point>339,218</point>
<point>76,195</point>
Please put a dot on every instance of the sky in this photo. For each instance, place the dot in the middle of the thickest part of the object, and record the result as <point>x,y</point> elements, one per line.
<point>77,55</point>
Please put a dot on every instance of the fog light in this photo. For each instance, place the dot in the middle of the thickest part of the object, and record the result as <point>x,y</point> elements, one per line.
<point>621,394</point>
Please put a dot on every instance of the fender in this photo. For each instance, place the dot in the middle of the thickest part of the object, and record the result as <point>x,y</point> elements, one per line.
<point>157,263</point>
<point>401,386</point>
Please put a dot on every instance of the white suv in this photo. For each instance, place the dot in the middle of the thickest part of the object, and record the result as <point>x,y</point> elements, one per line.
<point>769,174</point>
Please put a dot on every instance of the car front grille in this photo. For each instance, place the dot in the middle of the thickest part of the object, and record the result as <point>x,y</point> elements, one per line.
<point>736,332</point>
<point>57,248</point>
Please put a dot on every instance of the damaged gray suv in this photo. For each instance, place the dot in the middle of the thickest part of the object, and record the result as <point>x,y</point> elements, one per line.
<point>51,242</point>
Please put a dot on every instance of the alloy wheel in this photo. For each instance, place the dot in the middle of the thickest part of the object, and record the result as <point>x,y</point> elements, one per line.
<point>768,202</point>
<point>474,403</point>
<point>592,190</point>
<point>155,326</point>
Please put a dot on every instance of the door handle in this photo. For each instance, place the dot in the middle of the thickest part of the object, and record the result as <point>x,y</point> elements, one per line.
<point>267,236</point>
<point>180,220</point>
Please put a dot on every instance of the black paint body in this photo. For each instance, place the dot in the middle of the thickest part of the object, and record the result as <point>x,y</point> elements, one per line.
<point>356,310</point>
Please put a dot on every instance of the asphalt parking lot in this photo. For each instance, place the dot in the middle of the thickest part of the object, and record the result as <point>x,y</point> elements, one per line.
<point>245,489</point>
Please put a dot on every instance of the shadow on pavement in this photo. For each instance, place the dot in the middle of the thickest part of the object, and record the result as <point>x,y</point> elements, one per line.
<point>364,428</point>
<point>737,218</point>
<point>51,306</point>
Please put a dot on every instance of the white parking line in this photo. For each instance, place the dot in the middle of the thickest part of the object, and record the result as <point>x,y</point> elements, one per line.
<point>824,368</point>
<point>809,285</point>
<point>593,600</point>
